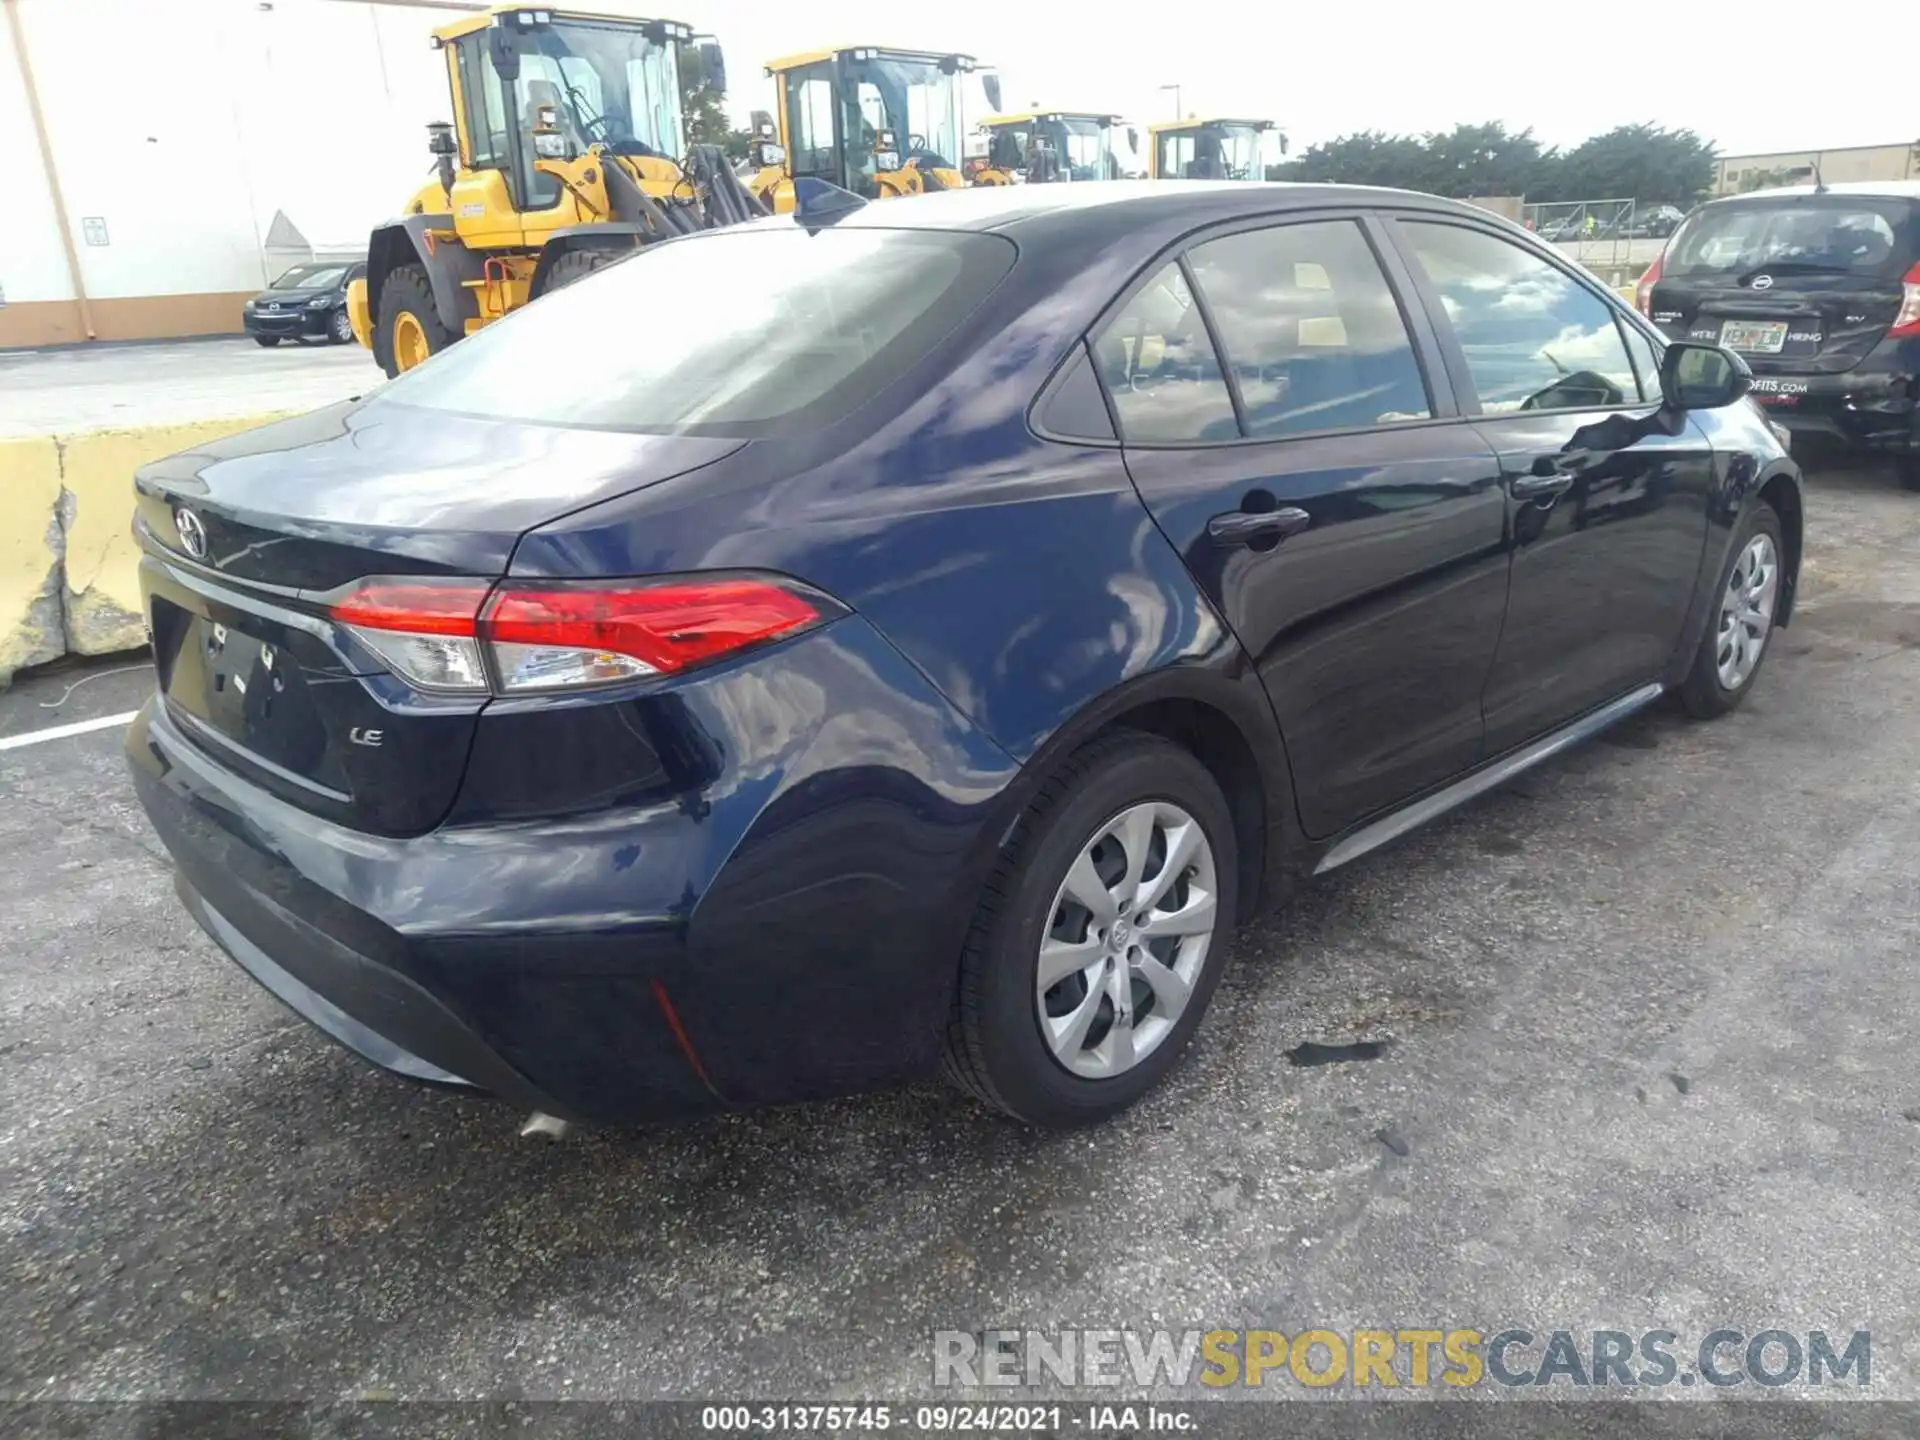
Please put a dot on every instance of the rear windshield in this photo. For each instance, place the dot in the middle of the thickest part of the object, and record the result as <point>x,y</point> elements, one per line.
<point>1812,234</point>
<point>734,333</point>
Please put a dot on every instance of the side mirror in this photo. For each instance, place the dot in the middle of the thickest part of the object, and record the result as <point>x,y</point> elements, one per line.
<point>990,82</point>
<point>709,66</point>
<point>764,153</point>
<point>1702,377</point>
<point>506,55</point>
<point>1133,139</point>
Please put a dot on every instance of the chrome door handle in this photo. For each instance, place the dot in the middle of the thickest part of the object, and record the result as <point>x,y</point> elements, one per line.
<point>1242,527</point>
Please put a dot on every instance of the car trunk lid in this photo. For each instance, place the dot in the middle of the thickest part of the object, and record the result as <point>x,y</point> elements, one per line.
<point>1791,323</point>
<point>249,541</point>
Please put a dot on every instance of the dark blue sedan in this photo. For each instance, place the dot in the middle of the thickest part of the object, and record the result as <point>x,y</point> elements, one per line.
<point>807,654</point>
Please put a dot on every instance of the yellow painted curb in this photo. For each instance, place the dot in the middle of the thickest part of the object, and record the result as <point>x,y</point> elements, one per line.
<point>69,570</point>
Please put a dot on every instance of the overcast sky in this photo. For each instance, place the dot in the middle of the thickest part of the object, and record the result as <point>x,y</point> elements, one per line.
<point>1753,77</point>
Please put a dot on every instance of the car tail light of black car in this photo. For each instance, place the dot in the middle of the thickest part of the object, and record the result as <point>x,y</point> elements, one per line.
<point>474,636</point>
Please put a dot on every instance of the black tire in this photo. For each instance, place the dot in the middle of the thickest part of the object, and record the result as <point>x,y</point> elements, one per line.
<point>1702,693</point>
<point>995,1049</point>
<point>1907,468</point>
<point>406,290</point>
<point>269,341</point>
<point>577,265</point>
<point>340,327</point>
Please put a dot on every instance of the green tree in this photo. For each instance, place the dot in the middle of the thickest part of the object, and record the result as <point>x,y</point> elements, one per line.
<point>1479,160</point>
<point>1645,163</point>
<point>1370,157</point>
<point>706,116</point>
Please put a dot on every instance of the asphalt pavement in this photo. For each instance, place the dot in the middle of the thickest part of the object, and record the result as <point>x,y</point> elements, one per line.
<point>105,386</point>
<point>1651,1015</point>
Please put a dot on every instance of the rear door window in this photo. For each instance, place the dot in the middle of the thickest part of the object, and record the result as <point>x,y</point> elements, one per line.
<point>1534,337</point>
<point>1160,367</point>
<point>1311,330</point>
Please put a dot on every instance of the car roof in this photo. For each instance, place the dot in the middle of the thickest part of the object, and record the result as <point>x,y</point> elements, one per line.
<point>1030,210</point>
<point>1882,189</point>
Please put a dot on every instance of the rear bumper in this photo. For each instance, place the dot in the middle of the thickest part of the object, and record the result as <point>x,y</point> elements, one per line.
<point>790,930</point>
<point>1867,407</point>
<point>318,915</point>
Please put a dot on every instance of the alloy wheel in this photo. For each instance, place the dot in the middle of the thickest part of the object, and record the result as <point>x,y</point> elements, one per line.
<point>1126,940</point>
<point>1746,611</point>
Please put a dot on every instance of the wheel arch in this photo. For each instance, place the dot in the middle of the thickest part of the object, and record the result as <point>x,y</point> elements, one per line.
<point>448,265</point>
<point>1224,721</point>
<point>1781,491</point>
<point>615,235</point>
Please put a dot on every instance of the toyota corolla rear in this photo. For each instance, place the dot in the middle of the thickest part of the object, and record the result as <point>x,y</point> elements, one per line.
<point>573,832</point>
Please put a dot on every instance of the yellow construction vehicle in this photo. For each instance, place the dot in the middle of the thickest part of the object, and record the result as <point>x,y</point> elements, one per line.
<point>876,121</point>
<point>565,153</point>
<point>1212,149</point>
<point>1048,145</point>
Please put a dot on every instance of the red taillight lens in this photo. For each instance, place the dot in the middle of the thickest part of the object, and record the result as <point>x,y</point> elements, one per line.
<point>664,627</point>
<point>423,629</point>
<point>1906,324</point>
<point>420,607</point>
<point>567,636</point>
<point>1643,288</point>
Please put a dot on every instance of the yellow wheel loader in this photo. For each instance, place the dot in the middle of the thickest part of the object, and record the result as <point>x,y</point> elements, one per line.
<point>565,154</point>
<point>1043,146</point>
<point>1212,149</point>
<point>881,123</point>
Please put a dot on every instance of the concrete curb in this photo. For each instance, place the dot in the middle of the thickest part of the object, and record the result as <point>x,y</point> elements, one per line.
<point>69,570</point>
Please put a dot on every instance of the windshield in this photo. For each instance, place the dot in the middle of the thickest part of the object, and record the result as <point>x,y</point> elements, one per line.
<point>1082,145</point>
<point>1815,233</point>
<point>311,277</point>
<point>674,341</point>
<point>1240,150</point>
<point>609,84</point>
<point>916,100</point>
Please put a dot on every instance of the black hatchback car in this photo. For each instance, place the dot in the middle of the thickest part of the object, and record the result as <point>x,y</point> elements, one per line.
<point>929,653</point>
<point>1818,289</point>
<point>308,302</point>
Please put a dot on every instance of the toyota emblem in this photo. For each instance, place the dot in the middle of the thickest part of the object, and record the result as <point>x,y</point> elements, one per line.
<point>1763,282</point>
<point>193,534</point>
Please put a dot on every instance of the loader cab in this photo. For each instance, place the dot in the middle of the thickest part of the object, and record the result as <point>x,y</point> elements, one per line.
<point>875,121</point>
<point>1046,146</point>
<point>1213,149</point>
<point>533,85</point>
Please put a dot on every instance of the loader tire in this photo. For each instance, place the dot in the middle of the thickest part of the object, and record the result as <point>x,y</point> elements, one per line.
<point>577,264</point>
<point>409,328</point>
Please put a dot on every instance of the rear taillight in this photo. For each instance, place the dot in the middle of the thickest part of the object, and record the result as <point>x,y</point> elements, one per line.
<point>1906,325</point>
<point>1643,288</point>
<point>514,638</point>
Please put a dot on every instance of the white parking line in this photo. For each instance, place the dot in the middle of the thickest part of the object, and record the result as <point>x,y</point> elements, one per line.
<point>61,732</point>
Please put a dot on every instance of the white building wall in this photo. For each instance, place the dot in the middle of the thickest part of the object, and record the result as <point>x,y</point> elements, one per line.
<point>184,126</point>
<point>32,267</point>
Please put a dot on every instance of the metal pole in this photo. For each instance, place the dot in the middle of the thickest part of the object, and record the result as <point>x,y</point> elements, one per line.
<point>46,163</point>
